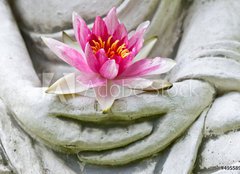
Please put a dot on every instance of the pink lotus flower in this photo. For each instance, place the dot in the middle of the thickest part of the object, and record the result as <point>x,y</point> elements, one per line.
<point>107,58</point>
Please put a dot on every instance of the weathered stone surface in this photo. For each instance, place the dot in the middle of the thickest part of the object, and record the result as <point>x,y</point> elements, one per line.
<point>220,151</point>
<point>207,53</point>
<point>184,152</point>
<point>140,167</point>
<point>4,166</point>
<point>17,146</point>
<point>166,24</point>
<point>37,17</point>
<point>203,13</point>
<point>224,114</point>
<point>4,170</point>
<point>24,154</point>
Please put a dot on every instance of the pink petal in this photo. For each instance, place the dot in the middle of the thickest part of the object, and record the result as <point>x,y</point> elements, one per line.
<point>136,41</point>
<point>66,85</point>
<point>109,69</point>
<point>120,32</point>
<point>111,21</point>
<point>106,95</point>
<point>81,30</point>
<point>143,26</point>
<point>164,65</point>
<point>68,54</point>
<point>124,63</point>
<point>131,33</point>
<point>148,67</point>
<point>117,59</point>
<point>136,69</point>
<point>144,84</point>
<point>101,56</point>
<point>100,28</point>
<point>91,58</point>
<point>91,80</point>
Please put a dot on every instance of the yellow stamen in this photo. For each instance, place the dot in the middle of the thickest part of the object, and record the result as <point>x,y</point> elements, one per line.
<point>111,49</point>
<point>108,41</point>
<point>97,45</point>
<point>121,48</point>
<point>113,46</point>
<point>102,44</point>
<point>125,53</point>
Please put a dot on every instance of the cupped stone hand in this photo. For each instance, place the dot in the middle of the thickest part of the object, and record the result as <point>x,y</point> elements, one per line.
<point>33,108</point>
<point>184,103</point>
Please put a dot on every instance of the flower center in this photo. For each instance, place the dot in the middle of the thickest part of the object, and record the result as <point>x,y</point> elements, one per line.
<point>112,48</point>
